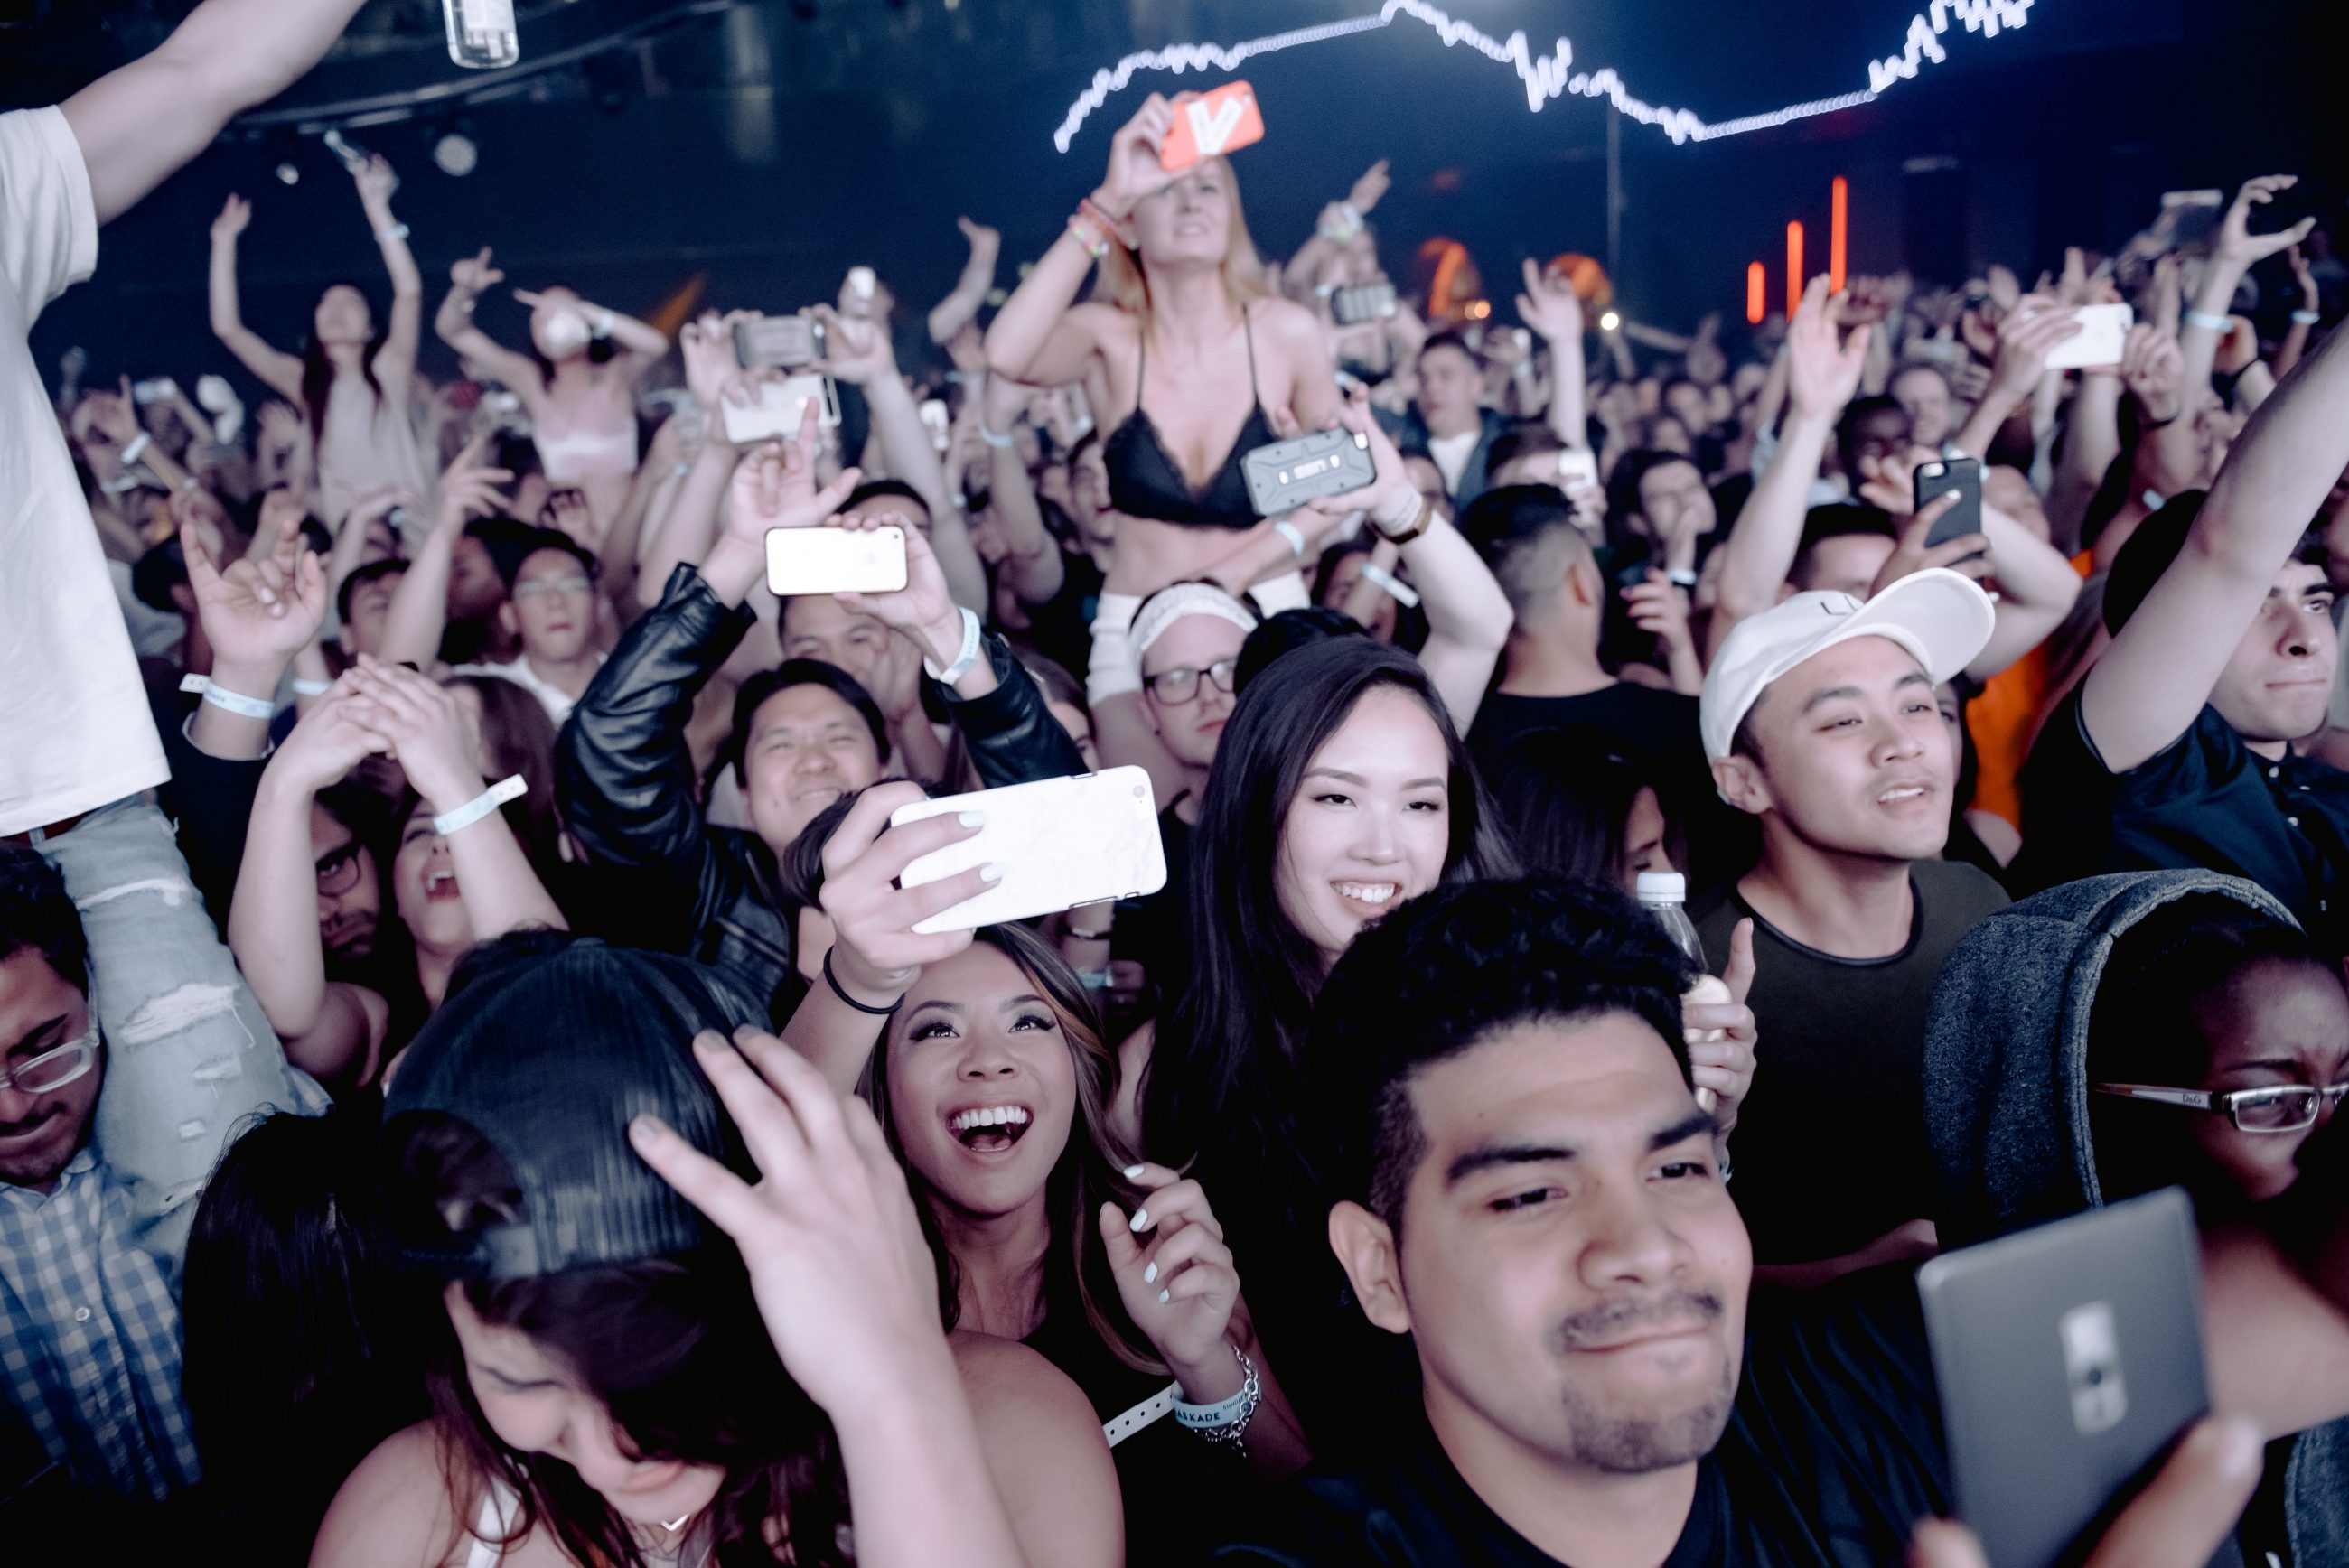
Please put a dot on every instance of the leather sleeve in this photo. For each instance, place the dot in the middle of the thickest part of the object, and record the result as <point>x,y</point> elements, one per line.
<point>1014,739</point>
<point>623,773</point>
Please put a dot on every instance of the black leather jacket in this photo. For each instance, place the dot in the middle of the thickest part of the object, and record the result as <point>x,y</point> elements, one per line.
<point>661,876</point>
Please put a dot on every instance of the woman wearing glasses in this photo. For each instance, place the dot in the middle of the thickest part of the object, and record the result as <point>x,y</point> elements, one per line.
<point>2123,1034</point>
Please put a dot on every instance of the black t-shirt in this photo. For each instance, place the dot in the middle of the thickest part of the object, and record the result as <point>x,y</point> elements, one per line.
<point>1655,730</point>
<point>1832,1454</point>
<point>2207,800</point>
<point>1829,1150</point>
<point>1154,930</point>
<point>1062,628</point>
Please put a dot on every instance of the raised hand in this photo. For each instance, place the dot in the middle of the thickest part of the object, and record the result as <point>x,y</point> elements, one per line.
<point>2237,246</point>
<point>235,214</point>
<point>2305,278</point>
<point>1823,364</point>
<point>1721,1035</point>
<point>1659,607</point>
<point>421,725</point>
<point>857,351</point>
<point>114,414</point>
<point>1175,1274</point>
<point>1390,478</point>
<point>375,180</point>
<point>983,241</point>
<point>2153,370</point>
<point>1135,169</point>
<point>1367,190</point>
<point>837,1263</point>
<point>875,947</point>
<point>922,609</point>
<point>1550,306</point>
<point>774,487</point>
<point>257,613</point>
<point>329,740</point>
<point>2024,337</point>
<point>470,487</point>
<point>474,274</point>
<point>707,345</point>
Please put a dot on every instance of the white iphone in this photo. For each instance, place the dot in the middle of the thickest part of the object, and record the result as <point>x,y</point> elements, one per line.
<point>1578,465</point>
<point>2104,328</point>
<point>1060,842</point>
<point>777,411</point>
<point>804,560</point>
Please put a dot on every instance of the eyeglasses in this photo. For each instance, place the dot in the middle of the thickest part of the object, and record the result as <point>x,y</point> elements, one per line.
<point>1174,687</point>
<point>53,1070</point>
<point>2287,1108</point>
<point>338,872</point>
<point>539,587</point>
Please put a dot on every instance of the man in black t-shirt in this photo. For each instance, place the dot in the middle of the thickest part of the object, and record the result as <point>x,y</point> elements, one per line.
<point>2175,750</point>
<point>1524,1184</point>
<point>1820,720</point>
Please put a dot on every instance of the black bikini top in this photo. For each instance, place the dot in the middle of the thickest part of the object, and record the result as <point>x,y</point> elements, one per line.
<point>1145,481</point>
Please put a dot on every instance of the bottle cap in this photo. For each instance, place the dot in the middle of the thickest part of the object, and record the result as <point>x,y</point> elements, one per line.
<point>1662,887</point>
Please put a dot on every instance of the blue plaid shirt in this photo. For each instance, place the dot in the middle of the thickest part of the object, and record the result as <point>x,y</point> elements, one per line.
<point>89,1338</point>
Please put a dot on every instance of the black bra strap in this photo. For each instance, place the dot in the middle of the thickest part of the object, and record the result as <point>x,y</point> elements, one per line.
<point>1141,359</point>
<point>1248,332</point>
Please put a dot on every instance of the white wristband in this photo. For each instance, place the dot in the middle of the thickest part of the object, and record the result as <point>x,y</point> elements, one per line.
<point>1400,591</point>
<point>2308,317</point>
<point>385,236</point>
<point>234,702</point>
<point>509,788</point>
<point>1288,530</point>
<point>605,320</point>
<point>992,440</point>
<point>2205,319</point>
<point>137,448</point>
<point>311,688</point>
<point>963,660</point>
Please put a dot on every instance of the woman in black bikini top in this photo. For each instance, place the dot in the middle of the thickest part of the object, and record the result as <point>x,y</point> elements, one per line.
<point>1145,480</point>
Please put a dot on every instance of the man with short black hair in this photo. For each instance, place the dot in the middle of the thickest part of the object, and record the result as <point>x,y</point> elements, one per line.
<point>1449,424</point>
<point>2176,749</point>
<point>1820,721</point>
<point>549,611</point>
<point>361,604</point>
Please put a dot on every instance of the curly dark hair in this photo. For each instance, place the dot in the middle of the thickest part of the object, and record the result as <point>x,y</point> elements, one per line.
<point>36,914</point>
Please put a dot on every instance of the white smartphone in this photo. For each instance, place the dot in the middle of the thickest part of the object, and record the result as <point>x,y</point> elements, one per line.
<point>777,411</point>
<point>1577,465</point>
<point>804,560</point>
<point>1060,842</point>
<point>2103,329</point>
<point>937,422</point>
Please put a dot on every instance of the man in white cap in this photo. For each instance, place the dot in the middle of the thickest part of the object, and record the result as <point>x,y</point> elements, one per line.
<point>1820,720</point>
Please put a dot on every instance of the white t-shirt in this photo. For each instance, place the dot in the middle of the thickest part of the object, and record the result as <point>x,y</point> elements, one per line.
<point>553,698</point>
<point>1451,455</point>
<point>75,731</point>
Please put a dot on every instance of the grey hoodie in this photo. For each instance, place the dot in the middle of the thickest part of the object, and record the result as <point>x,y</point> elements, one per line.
<point>2006,1103</point>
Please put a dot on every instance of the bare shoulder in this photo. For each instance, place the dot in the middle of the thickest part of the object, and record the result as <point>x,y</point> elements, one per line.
<point>393,1511</point>
<point>1045,1450</point>
<point>1286,322</point>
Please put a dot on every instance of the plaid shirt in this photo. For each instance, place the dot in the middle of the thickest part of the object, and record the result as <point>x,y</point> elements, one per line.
<point>89,1338</point>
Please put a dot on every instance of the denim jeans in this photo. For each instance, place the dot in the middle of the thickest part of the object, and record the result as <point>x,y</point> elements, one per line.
<point>189,1053</point>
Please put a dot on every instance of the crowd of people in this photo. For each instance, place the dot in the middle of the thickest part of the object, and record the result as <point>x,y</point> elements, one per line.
<point>477,1084</point>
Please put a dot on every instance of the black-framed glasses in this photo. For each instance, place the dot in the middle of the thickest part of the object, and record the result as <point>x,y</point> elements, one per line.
<point>1177,686</point>
<point>53,1069</point>
<point>338,871</point>
<point>2284,1107</point>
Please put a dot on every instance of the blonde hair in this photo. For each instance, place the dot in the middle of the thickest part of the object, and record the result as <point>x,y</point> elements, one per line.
<point>1123,283</point>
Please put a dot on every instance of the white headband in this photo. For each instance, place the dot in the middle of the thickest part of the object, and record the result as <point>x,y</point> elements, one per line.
<point>1169,606</point>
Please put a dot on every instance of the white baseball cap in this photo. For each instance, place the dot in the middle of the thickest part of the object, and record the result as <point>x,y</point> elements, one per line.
<point>1941,616</point>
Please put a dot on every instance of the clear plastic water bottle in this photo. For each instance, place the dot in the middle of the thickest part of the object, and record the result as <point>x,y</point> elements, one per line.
<point>482,35</point>
<point>1664,895</point>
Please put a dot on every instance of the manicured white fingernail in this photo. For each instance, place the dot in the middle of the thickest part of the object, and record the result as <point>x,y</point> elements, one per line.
<point>1150,1275</point>
<point>973,818</point>
<point>1133,1172</point>
<point>1141,1218</point>
<point>1167,1294</point>
<point>991,872</point>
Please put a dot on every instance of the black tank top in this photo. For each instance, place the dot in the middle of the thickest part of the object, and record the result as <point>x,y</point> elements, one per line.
<point>1144,481</point>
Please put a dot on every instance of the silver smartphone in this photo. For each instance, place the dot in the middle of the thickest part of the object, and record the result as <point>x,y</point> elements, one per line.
<point>1284,475</point>
<point>804,560</point>
<point>2069,1358</point>
<point>1060,842</point>
<point>776,413</point>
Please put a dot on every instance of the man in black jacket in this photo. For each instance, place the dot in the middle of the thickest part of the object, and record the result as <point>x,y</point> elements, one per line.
<point>805,735</point>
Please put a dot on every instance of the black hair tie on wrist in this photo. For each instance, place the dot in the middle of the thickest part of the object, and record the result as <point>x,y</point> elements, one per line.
<point>834,981</point>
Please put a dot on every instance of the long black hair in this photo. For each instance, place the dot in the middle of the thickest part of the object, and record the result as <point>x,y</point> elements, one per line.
<point>318,371</point>
<point>1223,1068</point>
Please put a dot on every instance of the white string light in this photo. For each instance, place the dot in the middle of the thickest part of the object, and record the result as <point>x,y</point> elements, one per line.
<point>1552,76</point>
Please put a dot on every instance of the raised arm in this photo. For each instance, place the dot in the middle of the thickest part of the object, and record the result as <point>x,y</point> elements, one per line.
<point>689,527</point>
<point>2025,337</point>
<point>2305,316</point>
<point>1824,367</point>
<point>640,343</point>
<point>139,123</point>
<point>961,307</point>
<point>468,279</point>
<point>1034,563</point>
<point>2235,252</point>
<point>860,354</point>
<point>1551,307</point>
<point>282,372</point>
<point>2036,586</point>
<point>419,606</point>
<point>257,614</point>
<point>1036,336</point>
<point>395,362</point>
<point>2146,689</point>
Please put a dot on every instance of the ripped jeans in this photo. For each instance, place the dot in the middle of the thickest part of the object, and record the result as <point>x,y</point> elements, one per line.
<point>189,1053</point>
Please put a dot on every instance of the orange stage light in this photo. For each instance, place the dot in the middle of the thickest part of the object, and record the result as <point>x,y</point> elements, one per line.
<point>1836,232</point>
<point>1793,268</point>
<point>1756,293</point>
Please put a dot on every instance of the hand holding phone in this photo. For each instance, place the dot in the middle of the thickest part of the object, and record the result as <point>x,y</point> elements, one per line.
<point>2104,328</point>
<point>776,410</point>
<point>778,342</point>
<point>804,561</point>
<point>1210,125</point>
<point>1364,302</point>
<point>1284,475</point>
<point>1940,477</point>
<point>1053,845</point>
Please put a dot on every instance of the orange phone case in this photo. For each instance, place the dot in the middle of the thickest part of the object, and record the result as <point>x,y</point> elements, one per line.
<point>1207,125</point>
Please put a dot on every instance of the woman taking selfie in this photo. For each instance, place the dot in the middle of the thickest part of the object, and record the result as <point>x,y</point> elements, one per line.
<point>992,1084</point>
<point>351,379</point>
<point>1200,364</point>
<point>640,1359</point>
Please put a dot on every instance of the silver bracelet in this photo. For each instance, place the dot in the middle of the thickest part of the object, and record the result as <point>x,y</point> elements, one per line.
<point>509,788</point>
<point>1226,1422</point>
